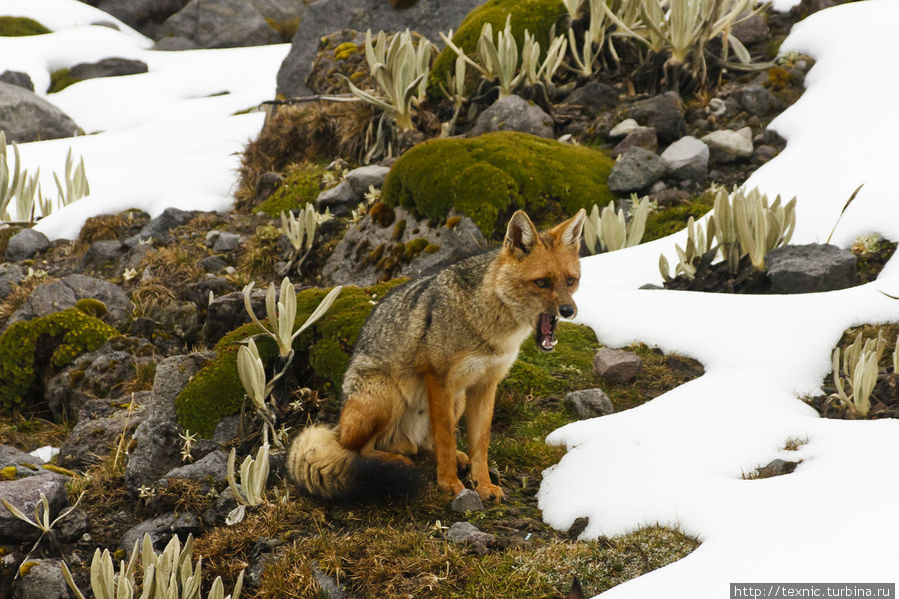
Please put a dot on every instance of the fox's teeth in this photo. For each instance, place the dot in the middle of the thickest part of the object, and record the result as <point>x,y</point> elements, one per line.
<point>554,342</point>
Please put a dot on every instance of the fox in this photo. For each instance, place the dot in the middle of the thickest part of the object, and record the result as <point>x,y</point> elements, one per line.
<point>432,350</point>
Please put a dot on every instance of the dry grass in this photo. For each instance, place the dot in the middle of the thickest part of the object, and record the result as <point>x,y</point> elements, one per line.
<point>18,295</point>
<point>314,131</point>
<point>29,434</point>
<point>104,227</point>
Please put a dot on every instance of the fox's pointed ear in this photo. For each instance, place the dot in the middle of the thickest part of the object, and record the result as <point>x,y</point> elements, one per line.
<point>568,233</point>
<point>521,235</point>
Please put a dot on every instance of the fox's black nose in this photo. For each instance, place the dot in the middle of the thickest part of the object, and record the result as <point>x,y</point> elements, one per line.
<point>566,310</point>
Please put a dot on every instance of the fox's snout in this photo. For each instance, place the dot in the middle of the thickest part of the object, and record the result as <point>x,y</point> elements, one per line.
<point>567,310</point>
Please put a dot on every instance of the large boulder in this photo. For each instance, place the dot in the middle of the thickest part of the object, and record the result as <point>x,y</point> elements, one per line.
<point>108,67</point>
<point>427,17</point>
<point>371,251</point>
<point>25,116</point>
<point>59,295</point>
<point>220,24</point>
<point>42,579</point>
<point>143,15</point>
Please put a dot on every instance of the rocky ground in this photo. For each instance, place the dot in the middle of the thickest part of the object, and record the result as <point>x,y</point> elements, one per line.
<point>115,347</point>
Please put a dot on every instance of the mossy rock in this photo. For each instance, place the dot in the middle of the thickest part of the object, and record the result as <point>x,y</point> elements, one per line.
<point>61,79</point>
<point>490,176</point>
<point>301,186</point>
<point>537,16</point>
<point>59,338</point>
<point>322,355</point>
<point>671,220</point>
<point>19,26</point>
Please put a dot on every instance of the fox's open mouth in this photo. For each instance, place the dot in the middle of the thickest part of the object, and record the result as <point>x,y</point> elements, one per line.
<point>546,331</point>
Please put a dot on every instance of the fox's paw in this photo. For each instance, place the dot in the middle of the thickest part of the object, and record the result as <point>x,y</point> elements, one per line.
<point>453,485</point>
<point>489,491</point>
<point>461,460</point>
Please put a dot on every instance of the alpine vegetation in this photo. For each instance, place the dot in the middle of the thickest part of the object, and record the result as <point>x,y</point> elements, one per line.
<point>610,227</point>
<point>253,476</point>
<point>858,372</point>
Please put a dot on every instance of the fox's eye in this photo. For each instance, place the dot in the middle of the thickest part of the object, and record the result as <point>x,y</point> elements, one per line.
<point>571,281</point>
<point>541,283</point>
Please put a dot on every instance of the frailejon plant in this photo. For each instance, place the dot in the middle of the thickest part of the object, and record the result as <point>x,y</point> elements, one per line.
<point>858,372</point>
<point>610,229</point>
<point>41,520</point>
<point>167,575</point>
<point>400,68</point>
<point>253,477</point>
<point>300,231</point>
<point>696,252</point>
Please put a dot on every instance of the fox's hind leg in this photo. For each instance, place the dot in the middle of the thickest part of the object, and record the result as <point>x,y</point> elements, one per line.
<point>370,416</point>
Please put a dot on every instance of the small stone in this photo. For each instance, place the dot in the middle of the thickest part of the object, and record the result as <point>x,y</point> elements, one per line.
<point>360,179</point>
<point>158,228</point>
<point>25,244</point>
<point>468,534</point>
<point>594,97</point>
<point>460,531</point>
<point>810,268</point>
<point>102,255</point>
<point>687,159</point>
<point>623,128</point>
<point>226,242</point>
<point>42,580</point>
<point>213,264</point>
<point>10,275</point>
<point>514,113</point>
<point>764,153</point>
<point>589,403</point>
<point>17,78</point>
<point>751,30</point>
<point>108,67</point>
<point>616,365</point>
<point>161,529</point>
<point>756,100</point>
<point>727,146</point>
<point>639,137</point>
<point>776,468</point>
<point>665,112</point>
<point>636,169</point>
<point>340,199</point>
<point>467,500</point>
<point>578,526</point>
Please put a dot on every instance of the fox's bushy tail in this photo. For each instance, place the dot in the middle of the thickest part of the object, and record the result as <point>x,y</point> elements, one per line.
<point>326,469</point>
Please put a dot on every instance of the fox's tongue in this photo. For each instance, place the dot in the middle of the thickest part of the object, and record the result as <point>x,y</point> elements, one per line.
<point>545,332</point>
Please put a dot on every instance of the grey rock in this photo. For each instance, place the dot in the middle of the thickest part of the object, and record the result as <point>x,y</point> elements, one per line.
<point>350,262</point>
<point>25,244</point>
<point>108,67</point>
<point>161,529</point>
<point>212,468</point>
<point>594,97</point>
<point>810,268</point>
<point>213,264</point>
<point>361,178</point>
<point>175,44</point>
<point>427,17</point>
<point>267,184</point>
<point>227,312</point>
<point>18,79</point>
<point>103,256</point>
<point>73,526</point>
<point>101,422</point>
<point>171,326</point>
<point>465,533</point>
<point>776,468</point>
<point>25,116</point>
<point>589,403</point>
<point>226,242</point>
<point>751,30</point>
<point>764,153</point>
<point>227,429</point>
<point>756,100</point>
<point>158,228</point>
<point>639,137</point>
<point>59,295</point>
<point>143,15</point>
<point>665,112</point>
<point>10,276</point>
<point>156,445</point>
<point>24,493</point>
<point>727,146</point>
<point>340,199</point>
<point>43,580</point>
<point>623,128</point>
<point>616,365</point>
<point>220,24</point>
<point>467,500</point>
<point>514,113</point>
<point>636,169</point>
<point>687,159</point>
<point>25,464</point>
<point>327,586</point>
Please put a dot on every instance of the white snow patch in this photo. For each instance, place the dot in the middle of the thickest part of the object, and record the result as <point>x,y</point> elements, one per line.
<point>45,453</point>
<point>678,459</point>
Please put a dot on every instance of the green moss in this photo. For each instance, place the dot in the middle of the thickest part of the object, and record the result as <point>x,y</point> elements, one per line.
<point>414,248</point>
<point>398,230</point>
<point>537,16</point>
<point>382,214</point>
<point>61,79</point>
<point>322,355</point>
<point>490,176</point>
<point>299,188</point>
<point>19,26</point>
<point>68,334</point>
<point>58,470</point>
<point>554,373</point>
<point>431,248</point>
<point>671,220</point>
<point>92,307</point>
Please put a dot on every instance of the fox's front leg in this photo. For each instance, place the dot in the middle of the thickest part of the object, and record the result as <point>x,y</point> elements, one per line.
<point>443,430</point>
<point>479,416</point>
